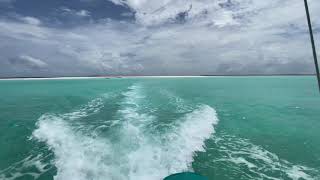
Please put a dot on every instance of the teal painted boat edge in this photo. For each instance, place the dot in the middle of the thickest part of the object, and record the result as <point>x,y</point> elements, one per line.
<point>185,176</point>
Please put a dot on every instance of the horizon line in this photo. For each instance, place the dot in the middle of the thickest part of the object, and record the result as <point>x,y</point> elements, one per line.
<point>137,76</point>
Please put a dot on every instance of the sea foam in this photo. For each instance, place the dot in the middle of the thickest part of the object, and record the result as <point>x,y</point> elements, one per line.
<point>133,152</point>
<point>239,155</point>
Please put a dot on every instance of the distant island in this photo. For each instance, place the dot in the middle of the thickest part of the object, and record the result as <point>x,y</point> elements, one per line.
<point>130,76</point>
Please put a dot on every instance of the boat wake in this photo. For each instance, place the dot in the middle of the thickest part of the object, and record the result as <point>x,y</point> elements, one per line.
<point>134,141</point>
<point>250,161</point>
<point>126,148</point>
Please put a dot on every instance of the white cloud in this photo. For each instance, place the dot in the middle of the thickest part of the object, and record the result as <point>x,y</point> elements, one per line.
<point>32,61</point>
<point>83,13</point>
<point>232,37</point>
<point>72,12</point>
<point>31,20</point>
<point>155,12</point>
<point>22,31</point>
<point>127,14</point>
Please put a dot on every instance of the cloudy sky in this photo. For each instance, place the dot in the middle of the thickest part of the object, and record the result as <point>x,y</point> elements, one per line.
<point>155,37</point>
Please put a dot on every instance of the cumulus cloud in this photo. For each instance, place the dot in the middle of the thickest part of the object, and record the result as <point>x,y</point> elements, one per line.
<point>170,37</point>
<point>216,12</point>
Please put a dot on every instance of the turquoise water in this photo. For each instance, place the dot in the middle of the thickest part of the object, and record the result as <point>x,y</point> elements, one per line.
<point>147,128</point>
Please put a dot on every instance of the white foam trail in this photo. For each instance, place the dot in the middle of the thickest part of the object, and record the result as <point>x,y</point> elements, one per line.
<point>259,161</point>
<point>132,104</point>
<point>77,157</point>
<point>18,169</point>
<point>133,153</point>
<point>91,107</point>
<point>179,104</point>
<point>154,157</point>
<point>189,136</point>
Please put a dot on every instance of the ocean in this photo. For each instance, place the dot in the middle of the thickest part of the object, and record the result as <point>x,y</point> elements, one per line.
<point>144,128</point>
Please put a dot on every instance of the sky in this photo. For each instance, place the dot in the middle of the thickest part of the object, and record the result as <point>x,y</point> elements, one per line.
<point>49,38</point>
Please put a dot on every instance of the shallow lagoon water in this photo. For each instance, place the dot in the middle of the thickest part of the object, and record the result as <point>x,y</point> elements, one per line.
<point>147,128</point>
